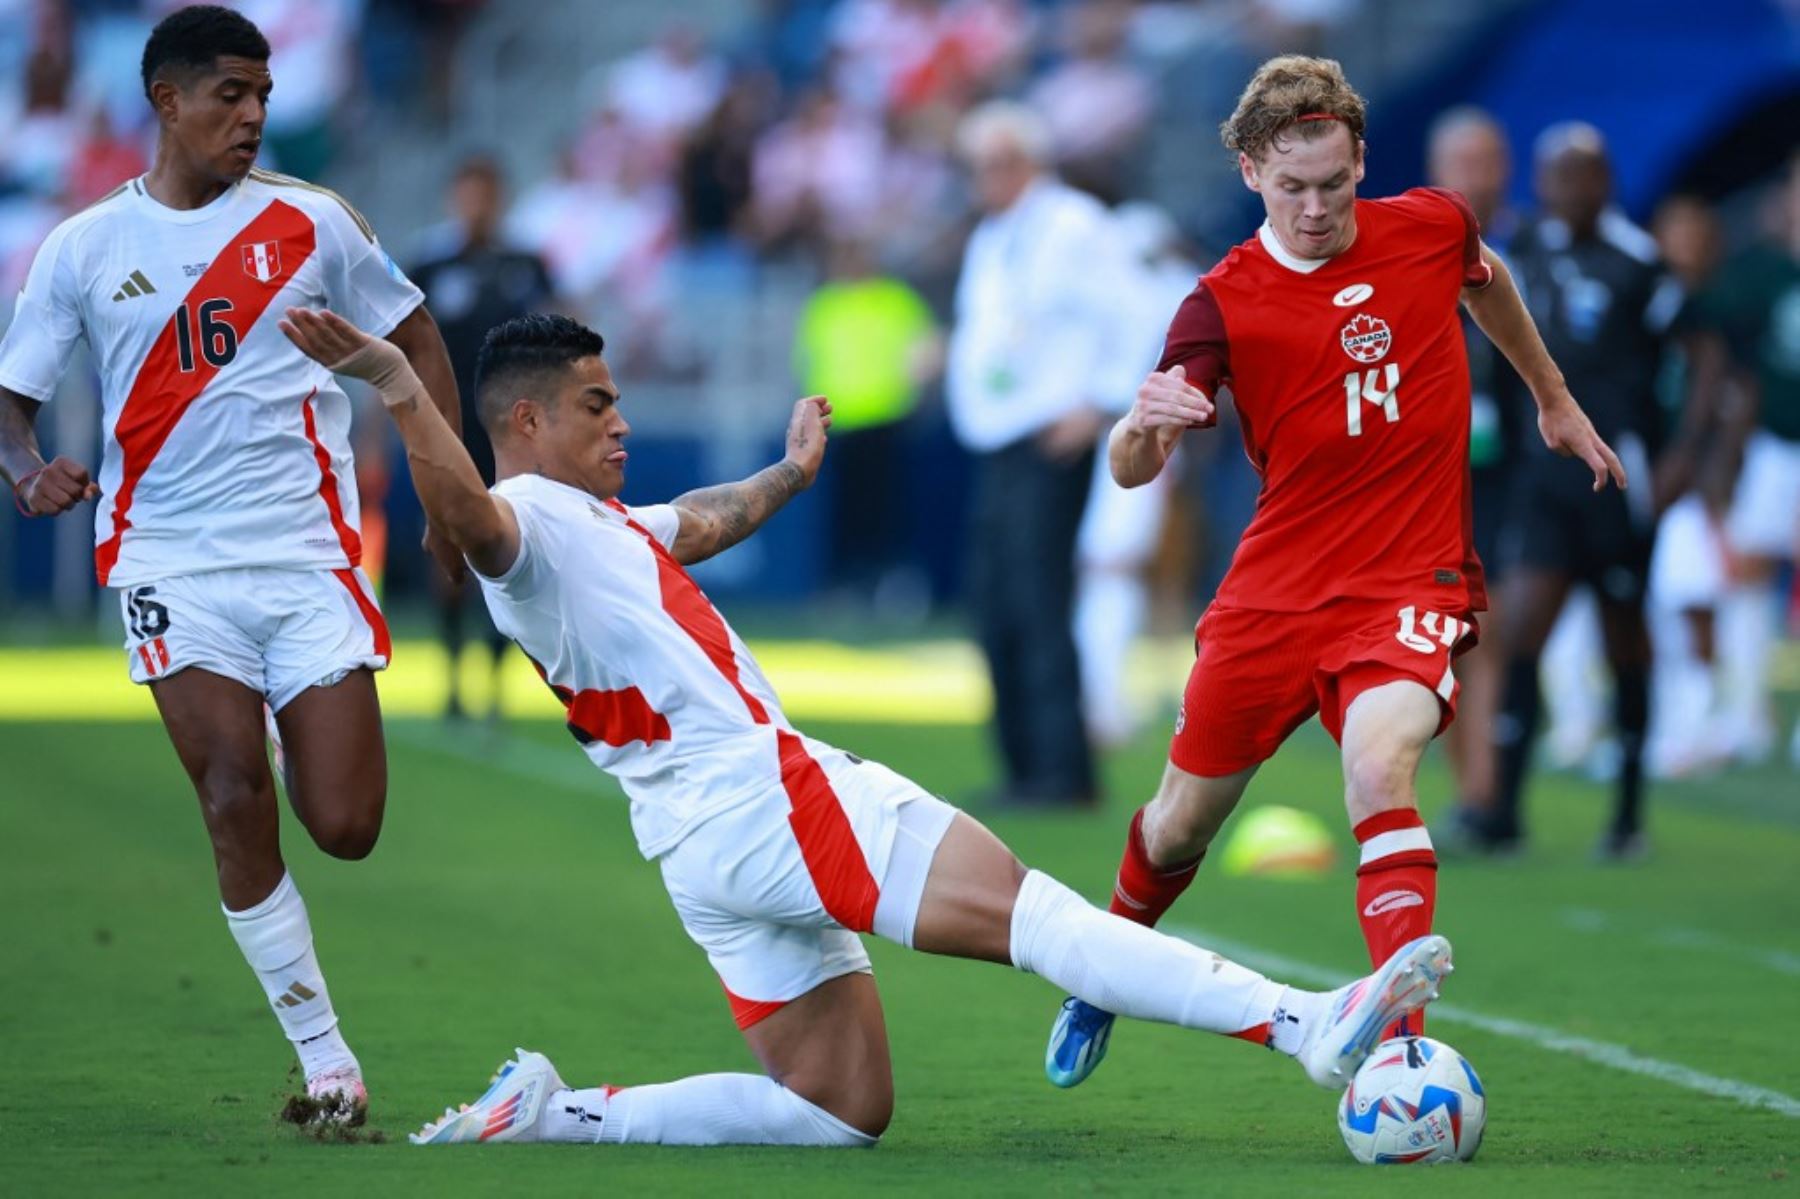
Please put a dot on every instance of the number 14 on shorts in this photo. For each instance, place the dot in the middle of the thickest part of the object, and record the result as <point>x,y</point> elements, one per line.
<point>1427,631</point>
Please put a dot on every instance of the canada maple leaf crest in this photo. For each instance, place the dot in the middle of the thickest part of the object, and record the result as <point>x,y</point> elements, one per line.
<point>1366,338</point>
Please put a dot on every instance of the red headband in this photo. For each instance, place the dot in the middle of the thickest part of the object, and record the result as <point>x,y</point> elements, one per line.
<point>1320,116</point>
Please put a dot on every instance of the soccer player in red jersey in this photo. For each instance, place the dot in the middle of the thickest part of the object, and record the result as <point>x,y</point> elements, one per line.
<point>1336,330</point>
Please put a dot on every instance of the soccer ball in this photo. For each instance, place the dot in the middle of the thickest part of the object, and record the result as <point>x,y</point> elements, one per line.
<point>1414,1101</point>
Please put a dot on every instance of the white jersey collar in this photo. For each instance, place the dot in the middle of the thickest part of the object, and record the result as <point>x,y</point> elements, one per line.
<point>1279,252</point>
<point>185,216</point>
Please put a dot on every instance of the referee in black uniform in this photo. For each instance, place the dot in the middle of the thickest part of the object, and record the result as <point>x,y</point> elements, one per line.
<point>1603,302</point>
<point>472,284</point>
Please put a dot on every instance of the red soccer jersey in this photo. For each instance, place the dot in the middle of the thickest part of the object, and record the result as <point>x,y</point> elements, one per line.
<point>1352,387</point>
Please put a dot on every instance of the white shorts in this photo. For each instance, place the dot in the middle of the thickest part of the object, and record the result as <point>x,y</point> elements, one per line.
<point>1765,508</point>
<point>1687,568</point>
<point>276,631</point>
<point>776,890</point>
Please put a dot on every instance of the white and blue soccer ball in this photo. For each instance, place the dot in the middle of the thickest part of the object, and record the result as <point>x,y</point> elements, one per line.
<point>1415,1101</point>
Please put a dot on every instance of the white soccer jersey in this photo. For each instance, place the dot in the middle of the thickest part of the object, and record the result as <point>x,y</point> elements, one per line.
<point>225,446</point>
<point>659,690</point>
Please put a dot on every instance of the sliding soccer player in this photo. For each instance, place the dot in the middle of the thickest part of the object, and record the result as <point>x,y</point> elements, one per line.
<point>777,850</point>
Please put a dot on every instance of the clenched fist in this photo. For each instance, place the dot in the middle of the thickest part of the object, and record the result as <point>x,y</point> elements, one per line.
<point>55,488</point>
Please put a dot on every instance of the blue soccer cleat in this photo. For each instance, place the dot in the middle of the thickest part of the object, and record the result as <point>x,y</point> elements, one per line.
<point>1078,1042</point>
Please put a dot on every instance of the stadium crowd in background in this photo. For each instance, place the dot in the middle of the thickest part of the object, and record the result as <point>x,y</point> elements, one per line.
<point>816,144</point>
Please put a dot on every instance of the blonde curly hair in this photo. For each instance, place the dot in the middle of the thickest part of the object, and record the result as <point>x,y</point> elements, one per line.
<point>1293,95</point>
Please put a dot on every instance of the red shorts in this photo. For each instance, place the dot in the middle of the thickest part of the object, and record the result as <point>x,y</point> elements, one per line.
<point>1258,675</point>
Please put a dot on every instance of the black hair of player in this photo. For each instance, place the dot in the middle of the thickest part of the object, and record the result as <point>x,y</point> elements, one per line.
<point>194,38</point>
<point>522,347</point>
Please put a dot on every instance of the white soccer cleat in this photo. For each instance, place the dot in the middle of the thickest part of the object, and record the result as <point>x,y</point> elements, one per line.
<point>510,1110</point>
<point>339,1097</point>
<point>1358,1015</point>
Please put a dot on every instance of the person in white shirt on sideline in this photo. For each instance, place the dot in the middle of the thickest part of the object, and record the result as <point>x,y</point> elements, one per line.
<point>1033,359</point>
<point>1122,527</point>
<point>777,849</point>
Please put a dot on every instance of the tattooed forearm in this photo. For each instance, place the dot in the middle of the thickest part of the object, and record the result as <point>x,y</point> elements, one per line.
<point>714,519</point>
<point>18,440</point>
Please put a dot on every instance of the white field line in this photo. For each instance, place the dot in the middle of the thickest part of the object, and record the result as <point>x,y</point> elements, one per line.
<point>1592,920</point>
<point>1606,1054</point>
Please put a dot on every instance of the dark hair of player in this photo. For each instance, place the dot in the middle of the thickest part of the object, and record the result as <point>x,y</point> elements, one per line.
<point>526,346</point>
<point>190,40</point>
<point>1293,95</point>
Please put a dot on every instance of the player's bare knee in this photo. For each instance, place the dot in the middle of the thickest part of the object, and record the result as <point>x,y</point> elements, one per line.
<point>349,835</point>
<point>1378,780</point>
<point>236,798</point>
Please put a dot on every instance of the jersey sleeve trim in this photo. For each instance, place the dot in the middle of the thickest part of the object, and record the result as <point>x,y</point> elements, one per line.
<point>273,179</point>
<point>1477,274</point>
<point>1198,342</point>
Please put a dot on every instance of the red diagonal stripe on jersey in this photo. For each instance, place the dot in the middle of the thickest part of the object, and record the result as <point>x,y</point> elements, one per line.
<point>616,717</point>
<point>827,842</point>
<point>688,607</point>
<point>162,391</point>
<point>328,484</point>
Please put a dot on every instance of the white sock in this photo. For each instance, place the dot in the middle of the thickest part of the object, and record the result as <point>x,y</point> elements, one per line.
<point>277,942</point>
<point>1136,971</point>
<point>708,1109</point>
<point>1110,606</point>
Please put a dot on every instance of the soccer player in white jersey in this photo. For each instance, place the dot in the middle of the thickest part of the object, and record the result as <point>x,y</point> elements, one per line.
<point>227,514</point>
<point>776,849</point>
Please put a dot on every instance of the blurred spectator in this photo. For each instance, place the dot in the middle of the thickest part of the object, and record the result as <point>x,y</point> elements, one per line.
<point>867,341</point>
<point>605,242</point>
<point>1754,310</point>
<point>1032,362</point>
<point>668,87</point>
<point>102,162</point>
<point>817,175</point>
<point>1467,152</point>
<point>1688,571</point>
<point>1603,304</point>
<point>473,280</point>
<point>313,54</point>
<point>40,145</point>
<point>1097,102</point>
<point>1121,528</point>
<point>905,54</point>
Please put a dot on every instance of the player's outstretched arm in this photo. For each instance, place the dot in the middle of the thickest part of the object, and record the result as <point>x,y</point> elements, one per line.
<point>480,525</point>
<point>422,342</point>
<point>39,488</point>
<point>1501,313</point>
<point>716,518</point>
<point>1167,405</point>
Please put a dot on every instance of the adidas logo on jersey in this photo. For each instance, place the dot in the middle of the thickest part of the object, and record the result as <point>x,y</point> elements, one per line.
<point>135,286</point>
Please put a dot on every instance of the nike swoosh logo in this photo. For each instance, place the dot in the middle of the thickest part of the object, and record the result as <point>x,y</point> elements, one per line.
<point>1390,901</point>
<point>1353,295</point>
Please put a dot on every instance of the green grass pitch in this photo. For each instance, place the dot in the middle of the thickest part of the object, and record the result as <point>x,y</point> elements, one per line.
<point>506,906</point>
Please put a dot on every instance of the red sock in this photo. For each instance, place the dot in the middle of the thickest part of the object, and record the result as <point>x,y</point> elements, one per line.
<point>1144,890</point>
<point>1396,888</point>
